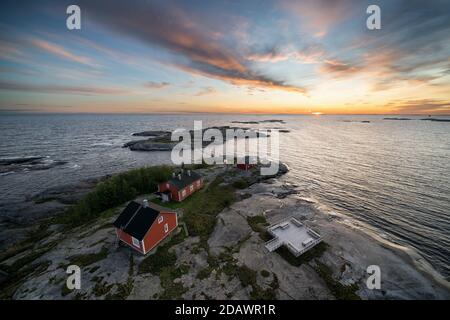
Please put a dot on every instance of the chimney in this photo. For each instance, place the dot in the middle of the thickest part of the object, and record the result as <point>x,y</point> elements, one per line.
<point>173,174</point>
<point>189,173</point>
<point>145,203</point>
<point>179,177</point>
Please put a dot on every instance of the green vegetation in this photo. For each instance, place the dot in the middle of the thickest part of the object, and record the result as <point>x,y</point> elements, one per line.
<point>204,273</point>
<point>83,260</point>
<point>265,273</point>
<point>248,277</point>
<point>268,294</point>
<point>32,238</point>
<point>240,184</point>
<point>14,280</point>
<point>113,192</point>
<point>201,208</point>
<point>123,289</point>
<point>162,263</point>
<point>172,290</point>
<point>339,291</point>
<point>162,258</point>
<point>101,289</point>
<point>258,224</point>
<point>315,252</point>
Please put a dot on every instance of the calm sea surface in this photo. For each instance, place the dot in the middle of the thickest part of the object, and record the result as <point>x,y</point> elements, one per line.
<point>393,176</point>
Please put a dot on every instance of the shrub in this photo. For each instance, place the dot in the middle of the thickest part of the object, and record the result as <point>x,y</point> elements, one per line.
<point>265,273</point>
<point>240,184</point>
<point>113,192</point>
<point>340,291</point>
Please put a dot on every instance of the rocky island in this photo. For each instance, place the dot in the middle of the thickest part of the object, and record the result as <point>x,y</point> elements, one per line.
<point>161,140</point>
<point>217,253</point>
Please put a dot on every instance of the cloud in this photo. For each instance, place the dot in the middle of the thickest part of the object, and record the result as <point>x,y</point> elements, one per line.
<point>195,48</point>
<point>156,85</point>
<point>60,89</point>
<point>62,53</point>
<point>309,54</point>
<point>424,106</point>
<point>338,68</point>
<point>320,15</point>
<point>205,91</point>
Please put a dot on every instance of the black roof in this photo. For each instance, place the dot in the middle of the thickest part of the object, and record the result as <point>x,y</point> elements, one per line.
<point>136,219</point>
<point>185,180</point>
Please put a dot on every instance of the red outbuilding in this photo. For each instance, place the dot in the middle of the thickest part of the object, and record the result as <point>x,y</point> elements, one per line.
<point>143,226</point>
<point>246,163</point>
<point>181,186</point>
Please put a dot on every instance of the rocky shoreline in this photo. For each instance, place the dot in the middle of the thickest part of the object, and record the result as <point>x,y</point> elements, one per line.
<point>232,262</point>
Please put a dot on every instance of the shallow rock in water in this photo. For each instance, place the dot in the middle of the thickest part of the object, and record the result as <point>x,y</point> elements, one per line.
<point>149,145</point>
<point>9,165</point>
<point>152,133</point>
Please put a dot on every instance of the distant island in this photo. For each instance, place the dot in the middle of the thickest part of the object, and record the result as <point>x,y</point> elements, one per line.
<point>161,140</point>
<point>423,119</point>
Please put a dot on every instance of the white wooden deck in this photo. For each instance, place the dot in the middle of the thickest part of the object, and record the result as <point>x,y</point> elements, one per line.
<point>294,235</point>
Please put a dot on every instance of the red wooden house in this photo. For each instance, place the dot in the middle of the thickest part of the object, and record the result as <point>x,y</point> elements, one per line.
<point>246,163</point>
<point>181,186</point>
<point>143,226</point>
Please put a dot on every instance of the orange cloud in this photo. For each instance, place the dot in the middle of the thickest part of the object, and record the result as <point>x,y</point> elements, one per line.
<point>61,52</point>
<point>59,89</point>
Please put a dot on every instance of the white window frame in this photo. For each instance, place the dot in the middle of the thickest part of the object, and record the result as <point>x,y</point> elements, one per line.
<point>191,187</point>
<point>166,228</point>
<point>160,219</point>
<point>136,242</point>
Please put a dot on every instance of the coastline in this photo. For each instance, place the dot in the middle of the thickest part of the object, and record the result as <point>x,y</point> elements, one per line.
<point>408,254</point>
<point>275,198</point>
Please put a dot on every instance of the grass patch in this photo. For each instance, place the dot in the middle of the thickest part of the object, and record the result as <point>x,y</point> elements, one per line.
<point>172,290</point>
<point>258,224</point>
<point>240,184</point>
<point>162,258</point>
<point>201,209</point>
<point>83,260</point>
<point>113,192</point>
<point>339,291</point>
<point>248,277</point>
<point>265,273</point>
<point>101,289</point>
<point>204,273</point>
<point>266,294</point>
<point>32,238</point>
<point>14,280</point>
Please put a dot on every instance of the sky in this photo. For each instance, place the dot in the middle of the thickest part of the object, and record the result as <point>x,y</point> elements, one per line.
<point>253,56</point>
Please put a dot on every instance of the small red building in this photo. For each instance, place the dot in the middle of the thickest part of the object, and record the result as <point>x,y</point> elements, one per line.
<point>143,226</point>
<point>181,186</point>
<point>246,163</point>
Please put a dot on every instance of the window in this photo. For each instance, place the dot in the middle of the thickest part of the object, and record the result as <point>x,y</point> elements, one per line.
<point>160,219</point>
<point>183,193</point>
<point>166,228</point>
<point>191,187</point>
<point>136,242</point>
